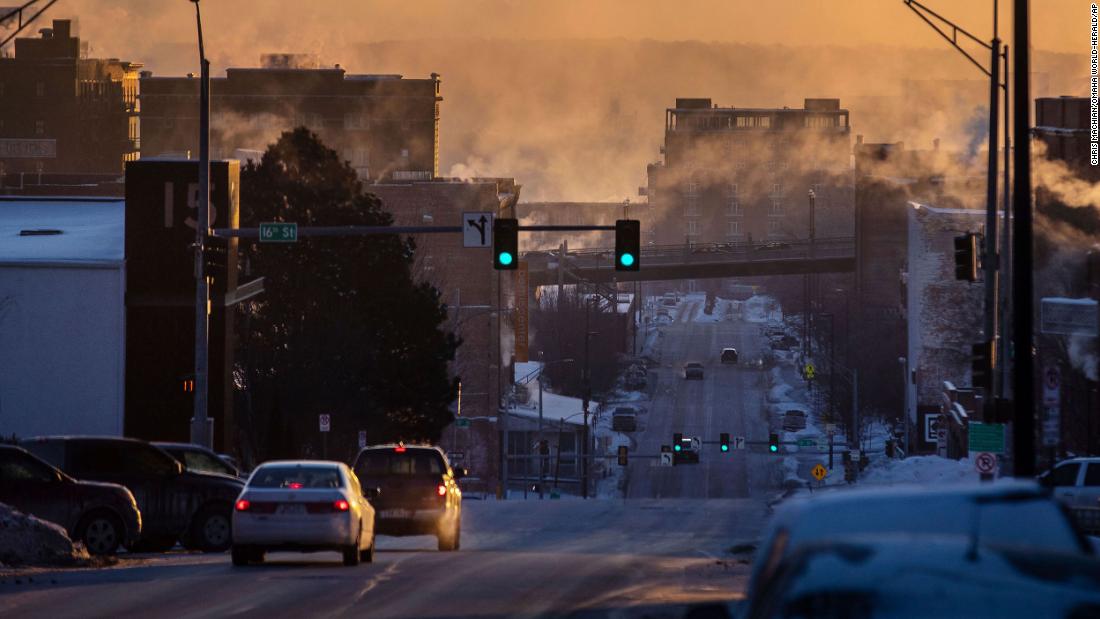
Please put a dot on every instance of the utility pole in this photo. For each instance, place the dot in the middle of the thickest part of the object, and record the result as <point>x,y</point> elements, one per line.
<point>587,386</point>
<point>1023,432</point>
<point>201,427</point>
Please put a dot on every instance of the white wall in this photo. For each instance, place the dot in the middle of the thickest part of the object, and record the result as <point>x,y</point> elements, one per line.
<point>62,330</point>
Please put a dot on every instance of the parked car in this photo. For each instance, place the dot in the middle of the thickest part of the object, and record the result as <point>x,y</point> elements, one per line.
<point>794,420</point>
<point>419,493</point>
<point>1018,514</point>
<point>693,370</point>
<point>1076,484</point>
<point>303,506</point>
<point>199,459</point>
<point>102,516</point>
<point>175,503</point>
<point>624,419</point>
<point>901,576</point>
<point>729,355</point>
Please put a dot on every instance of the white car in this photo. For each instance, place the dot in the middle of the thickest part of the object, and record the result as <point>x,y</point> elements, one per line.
<point>303,506</point>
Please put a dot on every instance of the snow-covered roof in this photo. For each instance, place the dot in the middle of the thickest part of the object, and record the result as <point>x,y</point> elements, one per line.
<point>92,231</point>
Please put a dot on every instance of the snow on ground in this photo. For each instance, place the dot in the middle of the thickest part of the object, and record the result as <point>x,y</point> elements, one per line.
<point>930,470</point>
<point>722,310</point>
<point>761,308</point>
<point>26,540</point>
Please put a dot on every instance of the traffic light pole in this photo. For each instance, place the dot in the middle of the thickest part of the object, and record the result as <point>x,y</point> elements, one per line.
<point>200,423</point>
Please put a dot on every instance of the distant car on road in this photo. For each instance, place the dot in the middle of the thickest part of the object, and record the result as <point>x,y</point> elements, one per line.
<point>1012,514</point>
<point>102,516</point>
<point>303,506</point>
<point>693,370</point>
<point>729,355</point>
<point>794,420</point>
<point>419,491</point>
<point>199,459</point>
<point>1076,484</point>
<point>624,419</point>
<point>175,503</point>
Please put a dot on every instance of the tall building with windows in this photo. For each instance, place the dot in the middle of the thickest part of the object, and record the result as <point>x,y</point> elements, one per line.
<point>739,175</point>
<point>386,126</point>
<point>64,113</point>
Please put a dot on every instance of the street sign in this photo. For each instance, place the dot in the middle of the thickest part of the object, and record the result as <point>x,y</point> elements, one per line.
<point>809,371</point>
<point>477,228</point>
<point>1052,427</point>
<point>666,458</point>
<point>278,232</point>
<point>807,442</point>
<point>854,455</point>
<point>1069,316</point>
<point>362,439</point>
<point>738,442</point>
<point>985,463</point>
<point>987,437</point>
<point>1052,386</point>
<point>819,472</point>
<point>325,422</point>
<point>462,422</point>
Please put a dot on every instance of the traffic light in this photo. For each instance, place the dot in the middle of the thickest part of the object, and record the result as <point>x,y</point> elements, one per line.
<point>215,255</point>
<point>724,441</point>
<point>678,441</point>
<point>544,448</point>
<point>981,362</point>
<point>966,257</point>
<point>622,455</point>
<point>505,244</point>
<point>773,443</point>
<point>628,244</point>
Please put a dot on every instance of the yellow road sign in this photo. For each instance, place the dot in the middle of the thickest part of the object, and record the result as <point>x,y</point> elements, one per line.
<point>819,472</point>
<point>810,371</point>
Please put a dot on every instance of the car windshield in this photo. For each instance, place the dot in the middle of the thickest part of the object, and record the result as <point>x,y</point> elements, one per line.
<point>386,463</point>
<point>202,462</point>
<point>295,477</point>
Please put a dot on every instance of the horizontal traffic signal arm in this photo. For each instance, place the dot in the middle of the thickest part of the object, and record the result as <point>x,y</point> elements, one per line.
<point>249,233</point>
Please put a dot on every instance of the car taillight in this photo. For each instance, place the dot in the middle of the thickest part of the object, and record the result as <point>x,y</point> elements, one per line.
<point>243,505</point>
<point>341,505</point>
<point>295,485</point>
<point>441,490</point>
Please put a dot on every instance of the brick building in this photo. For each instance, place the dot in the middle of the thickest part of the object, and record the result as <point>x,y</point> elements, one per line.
<point>63,113</point>
<point>744,174</point>
<point>387,126</point>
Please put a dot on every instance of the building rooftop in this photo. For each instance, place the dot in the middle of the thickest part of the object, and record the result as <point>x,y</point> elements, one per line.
<point>62,231</point>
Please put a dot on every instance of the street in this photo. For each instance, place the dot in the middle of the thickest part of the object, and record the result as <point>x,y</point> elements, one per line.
<point>519,559</point>
<point>728,399</point>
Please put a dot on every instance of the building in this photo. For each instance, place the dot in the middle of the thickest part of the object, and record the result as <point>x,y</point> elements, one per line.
<point>386,126</point>
<point>62,316</point>
<point>744,174</point>
<point>63,113</point>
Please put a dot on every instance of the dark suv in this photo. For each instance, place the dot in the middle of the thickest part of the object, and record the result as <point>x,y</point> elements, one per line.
<point>419,492</point>
<point>176,504</point>
<point>100,515</point>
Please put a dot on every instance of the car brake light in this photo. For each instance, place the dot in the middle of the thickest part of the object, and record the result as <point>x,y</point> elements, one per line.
<point>243,505</point>
<point>399,449</point>
<point>441,490</point>
<point>295,485</point>
<point>341,505</point>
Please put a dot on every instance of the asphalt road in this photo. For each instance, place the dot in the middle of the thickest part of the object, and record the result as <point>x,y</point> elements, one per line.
<point>730,398</point>
<point>569,558</point>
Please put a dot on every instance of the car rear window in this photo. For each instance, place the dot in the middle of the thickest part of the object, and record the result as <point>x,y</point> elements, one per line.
<point>384,463</point>
<point>296,477</point>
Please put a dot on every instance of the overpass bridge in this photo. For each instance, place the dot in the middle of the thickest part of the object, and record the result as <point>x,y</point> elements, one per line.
<point>698,261</point>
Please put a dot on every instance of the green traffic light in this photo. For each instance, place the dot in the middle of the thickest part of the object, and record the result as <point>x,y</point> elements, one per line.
<point>626,259</point>
<point>773,447</point>
<point>504,258</point>
<point>725,447</point>
<point>676,448</point>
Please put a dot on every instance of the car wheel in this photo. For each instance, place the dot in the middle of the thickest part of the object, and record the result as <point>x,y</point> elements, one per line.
<point>212,530</point>
<point>101,532</point>
<point>367,556</point>
<point>351,553</point>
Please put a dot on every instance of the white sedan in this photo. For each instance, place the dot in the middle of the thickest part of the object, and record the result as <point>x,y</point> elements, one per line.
<point>303,506</point>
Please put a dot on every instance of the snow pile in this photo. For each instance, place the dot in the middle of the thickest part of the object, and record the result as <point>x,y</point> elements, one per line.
<point>931,470</point>
<point>761,309</point>
<point>26,540</point>
<point>780,392</point>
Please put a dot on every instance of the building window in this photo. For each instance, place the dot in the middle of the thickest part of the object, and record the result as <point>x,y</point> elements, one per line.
<point>40,127</point>
<point>40,89</point>
<point>775,227</point>
<point>733,201</point>
<point>777,191</point>
<point>692,188</point>
<point>776,208</point>
<point>691,206</point>
<point>353,122</point>
<point>733,228</point>
<point>692,227</point>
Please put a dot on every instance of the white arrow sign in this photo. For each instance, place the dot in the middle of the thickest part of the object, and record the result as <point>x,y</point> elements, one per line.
<point>477,229</point>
